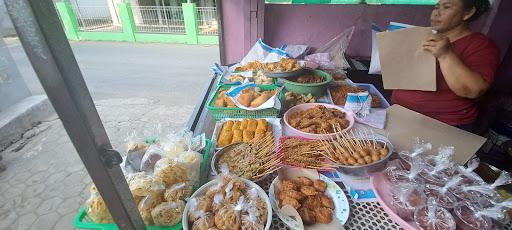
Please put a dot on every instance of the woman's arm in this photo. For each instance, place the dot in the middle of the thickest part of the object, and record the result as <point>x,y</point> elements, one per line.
<point>462,81</point>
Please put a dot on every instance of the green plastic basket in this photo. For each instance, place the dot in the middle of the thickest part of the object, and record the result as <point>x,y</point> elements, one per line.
<point>403,2</point>
<point>219,113</point>
<point>327,1</point>
<point>81,223</point>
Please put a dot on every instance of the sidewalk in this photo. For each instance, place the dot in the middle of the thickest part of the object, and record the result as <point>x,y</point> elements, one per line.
<point>46,183</point>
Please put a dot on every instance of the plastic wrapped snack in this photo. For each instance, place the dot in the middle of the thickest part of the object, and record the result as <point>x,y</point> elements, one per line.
<point>397,176</point>
<point>432,217</point>
<point>147,204</point>
<point>205,222</point>
<point>135,154</point>
<point>229,217</point>
<point>152,155</point>
<point>251,222</point>
<point>191,162</point>
<point>97,210</point>
<point>466,217</point>
<point>169,172</point>
<point>406,158</point>
<point>406,198</point>
<point>468,176</point>
<point>140,183</point>
<point>168,213</point>
<point>179,191</point>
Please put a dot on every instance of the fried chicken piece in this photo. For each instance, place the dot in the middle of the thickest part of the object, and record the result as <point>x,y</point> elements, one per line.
<point>290,201</point>
<point>292,193</point>
<point>320,185</point>
<point>304,181</point>
<point>326,201</point>
<point>307,216</point>
<point>289,185</point>
<point>308,190</point>
<point>323,215</point>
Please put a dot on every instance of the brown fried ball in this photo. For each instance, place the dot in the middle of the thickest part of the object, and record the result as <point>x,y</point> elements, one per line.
<point>290,201</point>
<point>293,194</point>
<point>289,185</point>
<point>323,215</point>
<point>308,190</point>
<point>320,185</point>
<point>304,181</point>
<point>307,216</point>
<point>326,201</point>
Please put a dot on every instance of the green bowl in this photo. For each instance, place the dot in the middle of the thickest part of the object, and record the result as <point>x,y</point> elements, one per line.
<point>315,89</point>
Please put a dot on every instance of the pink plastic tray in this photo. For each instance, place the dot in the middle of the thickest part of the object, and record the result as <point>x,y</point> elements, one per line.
<point>381,187</point>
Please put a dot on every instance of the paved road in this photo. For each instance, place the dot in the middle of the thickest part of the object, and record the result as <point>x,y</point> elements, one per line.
<point>135,87</point>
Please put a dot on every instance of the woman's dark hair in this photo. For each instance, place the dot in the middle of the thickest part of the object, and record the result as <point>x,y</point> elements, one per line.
<point>481,6</point>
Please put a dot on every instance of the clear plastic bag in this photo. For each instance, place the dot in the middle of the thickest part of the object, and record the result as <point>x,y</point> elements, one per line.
<point>432,217</point>
<point>147,204</point>
<point>406,198</point>
<point>168,213</point>
<point>140,183</point>
<point>152,155</point>
<point>97,210</point>
<point>336,52</point>
<point>229,216</point>
<point>169,172</point>
<point>179,191</point>
<point>204,222</point>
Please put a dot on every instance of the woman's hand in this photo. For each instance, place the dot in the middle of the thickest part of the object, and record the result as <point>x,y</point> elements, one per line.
<point>438,46</point>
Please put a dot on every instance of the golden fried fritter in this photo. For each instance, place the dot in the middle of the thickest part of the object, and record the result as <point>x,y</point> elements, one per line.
<point>323,215</point>
<point>308,190</point>
<point>290,201</point>
<point>289,185</point>
<point>304,181</point>
<point>326,201</point>
<point>320,185</point>
<point>312,202</point>
<point>292,193</point>
<point>307,216</point>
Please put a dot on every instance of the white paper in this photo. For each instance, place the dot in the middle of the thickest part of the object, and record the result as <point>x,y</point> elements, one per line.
<point>376,118</point>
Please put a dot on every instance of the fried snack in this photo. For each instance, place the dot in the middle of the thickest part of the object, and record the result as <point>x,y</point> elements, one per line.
<point>229,102</point>
<point>307,79</point>
<point>227,218</point>
<point>179,191</point>
<point>292,99</point>
<point>169,172</point>
<point>307,216</point>
<point>220,102</point>
<point>147,204</point>
<point>260,133</point>
<point>320,185</point>
<point>246,97</point>
<point>260,100</point>
<point>252,125</point>
<point>289,185</point>
<point>205,222</point>
<point>323,215</point>
<point>261,79</point>
<point>312,202</point>
<point>290,201</point>
<point>339,95</point>
<point>248,135</point>
<point>304,181</point>
<point>97,210</point>
<point>140,184</point>
<point>237,136</point>
<point>318,120</point>
<point>297,195</point>
<point>283,65</point>
<point>251,66</point>
<point>244,124</point>
<point>249,222</point>
<point>305,154</point>
<point>308,190</point>
<point>237,125</point>
<point>236,77</point>
<point>261,124</point>
<point>168,213</point>
<point>225,138</point>
<point>326,201</point>
<point>228,126</point>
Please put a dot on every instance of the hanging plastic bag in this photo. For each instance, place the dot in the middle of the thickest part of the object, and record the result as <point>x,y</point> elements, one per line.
<point>152,155</point>
<point>336,50</point>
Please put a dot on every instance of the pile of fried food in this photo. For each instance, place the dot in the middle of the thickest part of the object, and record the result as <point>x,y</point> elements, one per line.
<point>228,205</point>
<point>283,65</point>
<point>308,198</point>
<point>243,131</point>
<point>161,190</point>
<point>344,150</point>
<point>293,99</point>
<point>307,79</point>
<point>339,95</point>
<point>252,160</point>
<point>223,100</point>
<point>303,153</point>
<point>261,79</point>
<point>235,78</point>
<point>251,98</point>
<point>318,120</point>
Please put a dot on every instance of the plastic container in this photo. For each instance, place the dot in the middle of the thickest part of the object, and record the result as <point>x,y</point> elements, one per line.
<point>446,200</point>
<point>443,219</point>
<point>290,131</point>
<point>81,222</point>
<point>371,89</point>
<point>404,2</point>
<point>219,113</point>
<point>315,89</point>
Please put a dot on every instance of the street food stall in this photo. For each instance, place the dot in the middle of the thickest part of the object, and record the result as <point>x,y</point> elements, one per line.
<point>280,139</point>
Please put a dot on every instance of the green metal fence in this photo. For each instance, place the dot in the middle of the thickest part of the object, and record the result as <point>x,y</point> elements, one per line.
<point>150,24</point>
